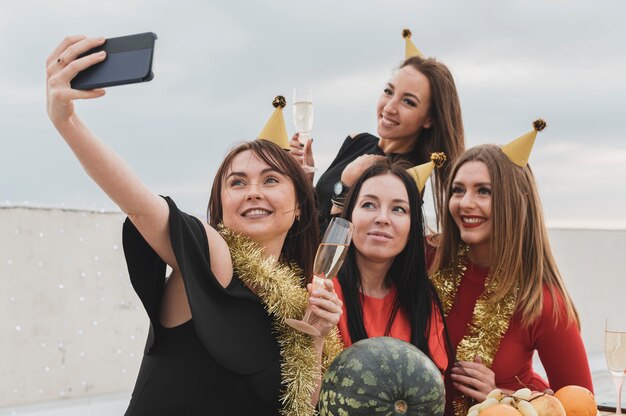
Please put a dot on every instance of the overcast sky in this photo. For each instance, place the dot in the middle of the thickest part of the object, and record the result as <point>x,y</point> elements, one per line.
<point>218,66</point>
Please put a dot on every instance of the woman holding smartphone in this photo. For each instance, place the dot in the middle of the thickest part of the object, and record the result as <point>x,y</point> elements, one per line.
<point>212,348</point>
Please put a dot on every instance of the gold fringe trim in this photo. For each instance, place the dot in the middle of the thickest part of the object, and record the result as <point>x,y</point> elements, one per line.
<point>279,287</point>
<point>490,320</point>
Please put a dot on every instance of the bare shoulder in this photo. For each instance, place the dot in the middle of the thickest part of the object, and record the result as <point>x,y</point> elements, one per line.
<point>221,262</point>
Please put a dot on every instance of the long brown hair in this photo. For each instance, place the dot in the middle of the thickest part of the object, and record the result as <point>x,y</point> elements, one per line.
<point>302,238</point>
<point>519,240</point>
<point>446,133</point>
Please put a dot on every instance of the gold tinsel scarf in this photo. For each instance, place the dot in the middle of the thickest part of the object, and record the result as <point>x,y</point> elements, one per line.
<point>490,320</point>
<point>279,288</point>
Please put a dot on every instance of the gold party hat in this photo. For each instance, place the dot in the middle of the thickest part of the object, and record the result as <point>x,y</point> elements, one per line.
<point>410,49</point>
<point>519,149</point>
<point>275,129</point>
<point>422,172</point>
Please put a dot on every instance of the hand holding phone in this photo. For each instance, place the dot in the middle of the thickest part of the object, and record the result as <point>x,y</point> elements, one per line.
<point>128,61</point>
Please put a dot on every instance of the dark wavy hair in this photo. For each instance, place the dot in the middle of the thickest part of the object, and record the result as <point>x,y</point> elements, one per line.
<point>303,236</point>
<point>415,293</point>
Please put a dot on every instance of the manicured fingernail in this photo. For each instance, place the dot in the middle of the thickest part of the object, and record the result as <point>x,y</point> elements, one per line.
<point>301,145</point>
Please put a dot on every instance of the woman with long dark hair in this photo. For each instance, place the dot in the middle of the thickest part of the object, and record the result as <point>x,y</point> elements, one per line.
<point>384,283</point>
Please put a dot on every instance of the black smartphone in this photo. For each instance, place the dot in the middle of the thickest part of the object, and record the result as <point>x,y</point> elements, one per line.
<point>128,61</point>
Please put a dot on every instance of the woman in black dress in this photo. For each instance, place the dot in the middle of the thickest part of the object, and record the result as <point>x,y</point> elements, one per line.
<point>418,114</point>
<point>217,341</point>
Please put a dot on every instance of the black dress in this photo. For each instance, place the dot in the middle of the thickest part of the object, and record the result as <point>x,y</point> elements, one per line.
<point>352,148</point>
<point>225,360</point>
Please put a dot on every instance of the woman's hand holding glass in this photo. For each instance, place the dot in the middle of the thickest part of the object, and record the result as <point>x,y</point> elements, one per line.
<point>325,305</point>
<point>303,121</point>
<point>328,260</point>
<point>302,153</point>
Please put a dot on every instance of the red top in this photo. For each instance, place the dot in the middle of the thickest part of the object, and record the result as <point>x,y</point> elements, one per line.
<point>560,347</point>
<point>376,315</point>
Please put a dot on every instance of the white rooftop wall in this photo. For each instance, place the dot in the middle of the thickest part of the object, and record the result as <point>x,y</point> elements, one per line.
<point>71,325</point>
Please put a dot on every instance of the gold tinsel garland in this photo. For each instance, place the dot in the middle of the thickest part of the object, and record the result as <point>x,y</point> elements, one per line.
<point>279,288</point>
<point>490,320</point>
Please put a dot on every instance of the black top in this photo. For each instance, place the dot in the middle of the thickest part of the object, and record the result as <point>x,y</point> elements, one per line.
<point>352,148</point>
<point>225,360</point>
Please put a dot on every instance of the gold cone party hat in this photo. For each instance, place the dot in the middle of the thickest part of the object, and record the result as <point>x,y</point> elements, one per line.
<point>275,129</point>
<point>519,149</point>
<point>410,49</point>
<point>422,172</point>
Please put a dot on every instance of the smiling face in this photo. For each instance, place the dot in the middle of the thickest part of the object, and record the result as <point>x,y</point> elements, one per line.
<point>257,200</point>
<point>403,108</point>
<point>471,204</point>
<point>381,218</point>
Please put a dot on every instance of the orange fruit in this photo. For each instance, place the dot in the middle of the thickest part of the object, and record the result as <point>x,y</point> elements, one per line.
<point>500,410</point>
<point>577,401</point>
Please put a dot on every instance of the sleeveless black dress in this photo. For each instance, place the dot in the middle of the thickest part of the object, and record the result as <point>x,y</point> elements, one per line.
<point>225,360</point>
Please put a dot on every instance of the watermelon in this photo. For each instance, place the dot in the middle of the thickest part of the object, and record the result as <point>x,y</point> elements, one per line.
<point>382,376</point>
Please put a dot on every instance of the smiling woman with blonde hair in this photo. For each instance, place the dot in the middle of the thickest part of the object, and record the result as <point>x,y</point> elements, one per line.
<point>501,290</point>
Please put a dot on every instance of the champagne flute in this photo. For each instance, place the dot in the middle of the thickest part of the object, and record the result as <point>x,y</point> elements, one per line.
<point>615,353</point>
<point>303,117</point>
<point>328,260</point>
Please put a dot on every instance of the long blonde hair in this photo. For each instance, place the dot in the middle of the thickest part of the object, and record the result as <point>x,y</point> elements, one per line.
<point>520,248</point>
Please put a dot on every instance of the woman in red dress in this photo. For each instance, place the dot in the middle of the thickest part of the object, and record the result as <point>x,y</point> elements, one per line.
<point>502,293</point>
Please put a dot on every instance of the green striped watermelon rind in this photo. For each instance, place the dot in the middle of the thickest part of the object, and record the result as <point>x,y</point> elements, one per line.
<point>375,374</point>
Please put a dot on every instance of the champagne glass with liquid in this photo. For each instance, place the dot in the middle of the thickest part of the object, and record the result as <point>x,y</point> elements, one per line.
<point>328,260</point>
<point>303,117</point>
<point>615,353</point>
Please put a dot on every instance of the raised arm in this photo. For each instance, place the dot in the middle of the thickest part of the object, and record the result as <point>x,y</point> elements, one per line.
<point>146,210</point>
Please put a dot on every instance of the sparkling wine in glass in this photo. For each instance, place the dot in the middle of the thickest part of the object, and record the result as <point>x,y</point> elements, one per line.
<point>303,117</point>
<point>615,353</point>
<point>329,258</point>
